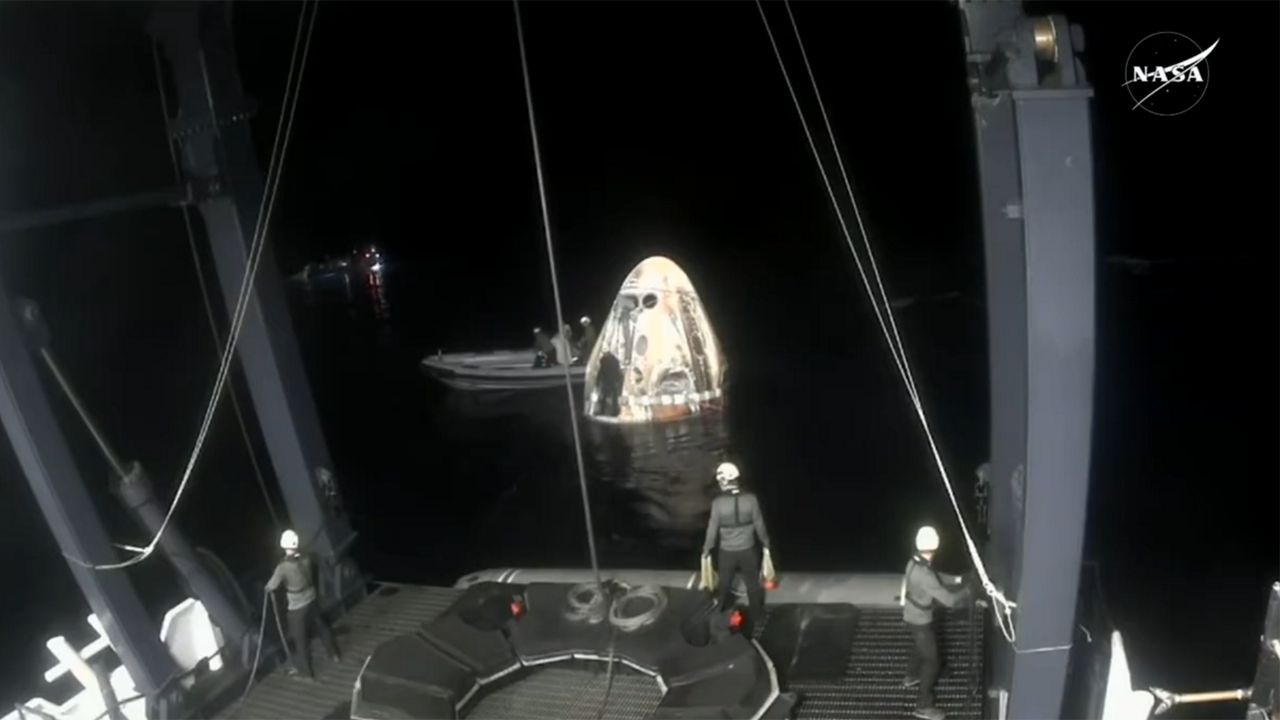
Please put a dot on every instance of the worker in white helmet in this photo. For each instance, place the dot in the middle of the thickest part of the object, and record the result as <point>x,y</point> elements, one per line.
<point>295,572</point>
<point>563,343</point>
<point>735,524</point>
<point>587,342</point>
<point>544,351</point>
<point>923,589</point>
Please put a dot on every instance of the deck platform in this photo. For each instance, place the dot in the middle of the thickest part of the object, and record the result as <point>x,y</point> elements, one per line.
<point>868,686</point>
<point>871,685</point>
<point>389,611</point>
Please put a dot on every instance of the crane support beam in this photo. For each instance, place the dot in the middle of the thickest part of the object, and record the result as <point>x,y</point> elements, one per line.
<point>1031,107</point>
<point>197,43</point>
<point>68,509</point>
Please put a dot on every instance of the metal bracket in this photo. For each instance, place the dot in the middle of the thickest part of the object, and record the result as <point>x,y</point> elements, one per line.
<point>179,129</point>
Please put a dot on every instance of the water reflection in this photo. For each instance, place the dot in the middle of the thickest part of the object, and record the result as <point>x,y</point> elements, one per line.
<point>662,471</point>
<point>650,485</point>
<point>375,284</point>
<point>363,290</point>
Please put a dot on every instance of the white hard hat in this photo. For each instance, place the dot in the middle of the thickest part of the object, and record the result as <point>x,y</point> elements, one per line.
<point>585,320</point>
<point>289,540</point>
<point>726,473</point>
<point>926,539</point>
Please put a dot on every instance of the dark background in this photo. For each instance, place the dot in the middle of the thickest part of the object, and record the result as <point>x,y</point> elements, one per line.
<point>665,129</point>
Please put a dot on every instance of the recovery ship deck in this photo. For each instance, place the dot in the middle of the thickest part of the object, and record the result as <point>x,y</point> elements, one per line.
<point>841,659</point>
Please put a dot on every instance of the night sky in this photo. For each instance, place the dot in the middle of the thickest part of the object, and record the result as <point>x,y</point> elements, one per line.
<point>666,129</point>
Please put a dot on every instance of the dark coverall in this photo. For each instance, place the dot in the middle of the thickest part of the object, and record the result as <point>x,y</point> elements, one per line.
<point>547,351</point>
<point>735,524</point>
<point>294,572</point>
<point>586,343</point>
<point>925,590</point>
<point>609,380</point>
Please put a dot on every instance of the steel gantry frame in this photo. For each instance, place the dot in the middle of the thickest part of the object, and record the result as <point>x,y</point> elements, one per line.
<point>223,181</point>
<point>1031,109</point>
<point>1031,105</point>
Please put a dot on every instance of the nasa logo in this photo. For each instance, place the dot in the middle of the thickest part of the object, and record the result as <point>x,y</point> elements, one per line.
<point>1167,73</point>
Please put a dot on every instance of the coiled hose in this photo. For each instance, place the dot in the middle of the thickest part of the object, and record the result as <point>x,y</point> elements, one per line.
<point>587,603</point>
<point>653,593</point>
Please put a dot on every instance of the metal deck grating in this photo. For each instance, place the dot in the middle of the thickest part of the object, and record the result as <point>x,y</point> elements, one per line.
<point>389,611</point>
<point>872,682</point>
<point>871,686</point>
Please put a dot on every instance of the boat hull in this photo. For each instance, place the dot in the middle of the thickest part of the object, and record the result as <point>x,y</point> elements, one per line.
<point>502,370</point>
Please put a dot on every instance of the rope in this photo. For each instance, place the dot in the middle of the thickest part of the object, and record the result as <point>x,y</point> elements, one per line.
<point>257,655</point>
<point>1001,606</point>
<point>857,214</point>
<point>555,289</point>
<point>276,166</point>
<point>608,675</point>
<point>204,289</point>
<point>284,642</point>
<point>911,390</point>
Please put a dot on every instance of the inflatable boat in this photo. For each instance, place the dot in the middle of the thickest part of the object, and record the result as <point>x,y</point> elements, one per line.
<point>497,370</point>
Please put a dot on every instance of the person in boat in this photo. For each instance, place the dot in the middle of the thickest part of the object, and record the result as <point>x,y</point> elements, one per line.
<point>295,572</point>
<point>923,590</point>
<point>735,525</point>
<point>587,342</point>
<point>563,343</point>
<point>609,381</point>
<point>546,352</point>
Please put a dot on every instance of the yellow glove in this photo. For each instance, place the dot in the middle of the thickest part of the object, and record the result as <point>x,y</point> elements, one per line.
<point>766,568</point>
<point>708,579</point>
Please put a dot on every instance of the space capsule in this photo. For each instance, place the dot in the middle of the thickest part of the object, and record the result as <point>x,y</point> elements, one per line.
<point>657,357</point>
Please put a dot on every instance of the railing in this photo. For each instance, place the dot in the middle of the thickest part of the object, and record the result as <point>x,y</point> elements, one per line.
<point>190,636</point>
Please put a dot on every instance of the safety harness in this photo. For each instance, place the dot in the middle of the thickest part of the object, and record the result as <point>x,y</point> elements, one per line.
<point>737,516</point>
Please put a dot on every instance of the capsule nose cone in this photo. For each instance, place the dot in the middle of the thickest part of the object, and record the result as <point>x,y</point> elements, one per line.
<point>657,357</point>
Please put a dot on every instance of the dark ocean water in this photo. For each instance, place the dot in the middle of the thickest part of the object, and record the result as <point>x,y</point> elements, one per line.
<point>466,481</point>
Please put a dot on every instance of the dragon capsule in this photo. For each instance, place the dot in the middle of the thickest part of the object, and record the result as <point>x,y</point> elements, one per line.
<point>657,357</point>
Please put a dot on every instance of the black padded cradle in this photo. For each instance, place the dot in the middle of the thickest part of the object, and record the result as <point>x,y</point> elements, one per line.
<point>438,670</point>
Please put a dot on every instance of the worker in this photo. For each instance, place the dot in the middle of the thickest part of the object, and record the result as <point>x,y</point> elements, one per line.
<point>923,589</point>
<point>563,343</point>
<point>587,342</point>
<point>546,352</point>
<point>295,573</point>
<point>609,379</point>
<point>735,524</point>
